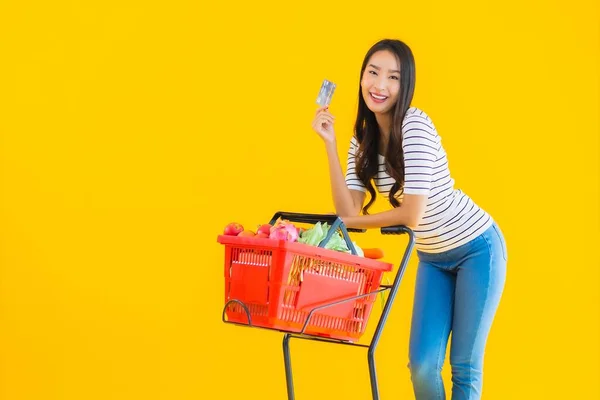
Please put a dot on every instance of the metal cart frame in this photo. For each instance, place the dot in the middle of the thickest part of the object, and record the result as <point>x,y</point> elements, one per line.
<point>336,223</point>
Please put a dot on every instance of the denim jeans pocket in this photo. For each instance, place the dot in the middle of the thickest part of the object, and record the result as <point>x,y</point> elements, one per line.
<point>502,241</point>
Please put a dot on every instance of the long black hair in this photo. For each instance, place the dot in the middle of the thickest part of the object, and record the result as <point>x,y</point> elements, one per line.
<point>367,130</point>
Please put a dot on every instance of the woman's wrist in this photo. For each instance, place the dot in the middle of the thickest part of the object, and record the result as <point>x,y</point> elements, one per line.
<point>330,146</point>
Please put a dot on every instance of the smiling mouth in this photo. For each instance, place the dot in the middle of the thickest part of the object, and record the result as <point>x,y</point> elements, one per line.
<point>377,98</point>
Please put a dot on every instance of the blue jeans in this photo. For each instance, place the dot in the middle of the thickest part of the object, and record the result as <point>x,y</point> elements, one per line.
<point>456,291</point>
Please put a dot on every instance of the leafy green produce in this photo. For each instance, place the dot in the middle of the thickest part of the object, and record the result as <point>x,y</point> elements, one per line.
<point>318,232</point>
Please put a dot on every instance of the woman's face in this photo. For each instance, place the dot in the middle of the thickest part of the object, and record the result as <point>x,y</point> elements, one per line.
<point>380,83</point>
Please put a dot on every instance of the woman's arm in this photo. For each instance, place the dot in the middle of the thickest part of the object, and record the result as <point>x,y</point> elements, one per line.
<point>409,214</point>
<point>347,202</point>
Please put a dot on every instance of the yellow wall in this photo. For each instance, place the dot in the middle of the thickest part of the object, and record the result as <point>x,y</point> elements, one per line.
<point>132,132</point>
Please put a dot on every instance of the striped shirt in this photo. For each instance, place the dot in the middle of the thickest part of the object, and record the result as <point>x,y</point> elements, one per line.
<point>451,218</point>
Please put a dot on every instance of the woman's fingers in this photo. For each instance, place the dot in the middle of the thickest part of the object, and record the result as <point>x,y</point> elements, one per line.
<point>324,111</point>
<point>324,118</point>
<point>321,109</point>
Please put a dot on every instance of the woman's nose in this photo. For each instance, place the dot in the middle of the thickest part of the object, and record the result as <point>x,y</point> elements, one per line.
<point>380,86</point>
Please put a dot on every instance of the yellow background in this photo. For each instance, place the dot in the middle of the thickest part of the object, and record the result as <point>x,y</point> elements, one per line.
<point>132,132</point>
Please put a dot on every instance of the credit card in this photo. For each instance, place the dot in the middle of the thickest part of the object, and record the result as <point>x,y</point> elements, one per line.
<point>326,92</point>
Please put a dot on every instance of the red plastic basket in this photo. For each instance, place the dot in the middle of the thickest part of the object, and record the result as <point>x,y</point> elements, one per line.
<point>281,282</point>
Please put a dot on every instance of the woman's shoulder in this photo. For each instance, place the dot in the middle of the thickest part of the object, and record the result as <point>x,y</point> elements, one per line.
<point>418,121</point>
<point>416,113</point>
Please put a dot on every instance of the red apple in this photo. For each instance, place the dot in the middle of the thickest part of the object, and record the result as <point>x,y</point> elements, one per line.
<point>264,228</point>
<point>233,229</point>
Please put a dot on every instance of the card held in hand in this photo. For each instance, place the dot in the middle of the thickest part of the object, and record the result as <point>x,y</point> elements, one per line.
<point>327,89</point>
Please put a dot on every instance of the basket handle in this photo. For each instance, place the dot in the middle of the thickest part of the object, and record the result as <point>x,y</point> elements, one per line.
<point>332,219</point>
<point>310,219</point>
<point>396,230</point>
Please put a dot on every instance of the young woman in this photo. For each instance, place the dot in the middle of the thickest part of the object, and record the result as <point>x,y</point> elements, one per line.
<point>461,250</point>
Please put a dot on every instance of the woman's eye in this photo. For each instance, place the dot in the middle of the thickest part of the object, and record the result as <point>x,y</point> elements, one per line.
<point>373,72</point>
<point>394,77</point>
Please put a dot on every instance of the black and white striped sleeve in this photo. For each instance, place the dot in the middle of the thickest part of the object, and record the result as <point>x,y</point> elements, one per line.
<point>420,144</point>
<point>352,180</point>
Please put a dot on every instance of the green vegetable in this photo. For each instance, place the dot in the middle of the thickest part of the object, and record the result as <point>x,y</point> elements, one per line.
<point>317,233</point>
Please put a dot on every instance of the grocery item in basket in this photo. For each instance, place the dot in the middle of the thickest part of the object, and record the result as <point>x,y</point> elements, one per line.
<point>265,229</point>
<point>284,230</point>
<point>281,230</point>
<point>318,232</point>
<point>374,253</point>
<point>233,229</point>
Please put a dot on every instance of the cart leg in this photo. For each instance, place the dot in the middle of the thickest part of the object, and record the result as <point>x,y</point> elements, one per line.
<point>373,374</point>
<point>289,380</point>
<point>384,316</point>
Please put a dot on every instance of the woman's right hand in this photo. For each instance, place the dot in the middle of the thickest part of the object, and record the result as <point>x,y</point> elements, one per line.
<point>323,124</point>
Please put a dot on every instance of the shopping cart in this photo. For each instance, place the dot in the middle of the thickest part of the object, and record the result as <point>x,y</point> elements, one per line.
<point>308,292</point>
